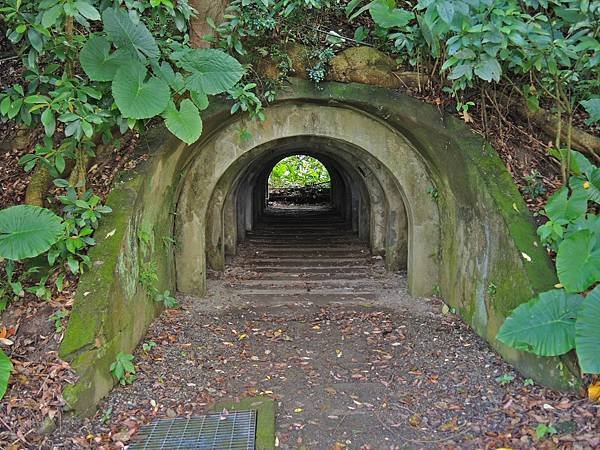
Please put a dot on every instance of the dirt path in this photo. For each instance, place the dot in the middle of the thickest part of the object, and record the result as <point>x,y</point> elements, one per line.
<point>362,375</point>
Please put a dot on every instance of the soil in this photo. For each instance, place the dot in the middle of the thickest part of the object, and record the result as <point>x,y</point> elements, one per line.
<point>364,376</point>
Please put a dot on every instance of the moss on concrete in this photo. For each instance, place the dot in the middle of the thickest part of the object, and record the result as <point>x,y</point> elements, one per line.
<point>265,417</point>
<point>486,232</point>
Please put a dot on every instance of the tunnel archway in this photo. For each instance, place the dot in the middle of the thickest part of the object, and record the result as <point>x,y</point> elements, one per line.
<point>298,181</point>
<point>383,183</point>
<point>389,154</point>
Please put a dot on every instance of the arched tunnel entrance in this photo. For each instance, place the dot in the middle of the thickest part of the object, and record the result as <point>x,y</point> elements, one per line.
<point>412,187</point>
<point>330,249</point>
<point>379,191</point>
<point>359,206</point>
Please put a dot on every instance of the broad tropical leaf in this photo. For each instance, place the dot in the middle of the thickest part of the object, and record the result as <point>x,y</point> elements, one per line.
<point>6,368</point>
<point>87,10</point>
<point>133,37</point>
<point>578,261</point>
<point>592,106</point>
<point>27,231</point>
<point>488,69</point>
<point>562,207</point>
<point>97,61</point>
<point>211,71</point>
<point>587,333</point>
<point>184,123</point>
<point>137,98</point>
<point>387,17</point>
<point>545,325</point>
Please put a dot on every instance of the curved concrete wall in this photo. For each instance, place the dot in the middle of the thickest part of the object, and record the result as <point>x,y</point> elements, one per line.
<point>389,151</point>
<point>344,135</point>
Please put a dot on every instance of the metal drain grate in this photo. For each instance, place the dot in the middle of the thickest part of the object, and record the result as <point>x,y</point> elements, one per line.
<point>235,430</point>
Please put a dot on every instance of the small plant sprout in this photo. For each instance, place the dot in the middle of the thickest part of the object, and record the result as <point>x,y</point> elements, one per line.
<point>505,379</point>
<point>147,346</point>
<point>57,319</point>
<point>167,300</point>
<point>433,192</point>
<point>542,430</point>
<point>106,415</point>
<point>491,290</point>
<point>528,382</point>
<point>123,369</point>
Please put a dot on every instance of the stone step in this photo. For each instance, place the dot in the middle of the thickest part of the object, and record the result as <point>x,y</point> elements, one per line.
<point>302,262</point>
<point>311,252</point>
<point>270,298</point>
<point>313,271</point>
<point>307,285</point>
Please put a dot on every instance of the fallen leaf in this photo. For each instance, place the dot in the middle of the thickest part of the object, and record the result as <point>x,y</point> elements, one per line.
<point>594,391</point>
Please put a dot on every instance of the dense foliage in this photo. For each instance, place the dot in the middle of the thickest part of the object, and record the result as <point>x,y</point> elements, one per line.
<point>93,70</point>
<point>561,320</point>
<point>545,52</point>
<point>298,171</point>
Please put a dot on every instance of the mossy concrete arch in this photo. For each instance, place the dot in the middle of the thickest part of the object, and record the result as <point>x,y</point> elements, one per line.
<point>408,175</point>
<point>344,135</point>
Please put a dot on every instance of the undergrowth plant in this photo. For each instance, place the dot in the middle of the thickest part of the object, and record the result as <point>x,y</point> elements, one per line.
<point>93,70</point>
<point>566,318</point>
<point>123,369</point>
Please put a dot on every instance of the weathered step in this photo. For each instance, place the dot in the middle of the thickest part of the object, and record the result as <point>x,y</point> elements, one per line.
<point>307,285</point>
<point>323,243</point>
<point>302,233</point>
<point>269,298</point>
<point>326,252</point>
<point>300,238</point>
<point>306,262</point>
<point>305,270</point>
<point>295,275</point>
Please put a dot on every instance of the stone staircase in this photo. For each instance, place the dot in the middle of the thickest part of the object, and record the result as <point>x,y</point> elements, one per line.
<point>304,255</point>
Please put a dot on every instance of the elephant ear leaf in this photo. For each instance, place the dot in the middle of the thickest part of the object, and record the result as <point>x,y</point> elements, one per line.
<point>136,97</point>
<point>545,325</point>
<point>27,231</point>
<point>97,61</point>
<point>132,37</point>
<point>578,261</point>
<point>6,368</point>
<point>184,123</point>
<point>211,71</point>
<point>587,333</point>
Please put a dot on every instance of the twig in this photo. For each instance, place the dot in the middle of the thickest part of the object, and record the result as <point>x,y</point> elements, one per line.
<point>329,33</point>
<point>8,58</point>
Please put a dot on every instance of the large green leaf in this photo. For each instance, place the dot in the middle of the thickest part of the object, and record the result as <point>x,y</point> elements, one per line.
<point>137,98</point>
<point>97,61</point>
<point>130,36</point>
<point>562,207</point>
<point>184,123</point>
<point>587,333</point>
<point>211,71</point>
<point>6,368</point>
<point>488,69</point>
<point>387,17</point>
<point>27,231</point>
<point>578,261</point>
<point>545,325</point>
<point>592,107</point>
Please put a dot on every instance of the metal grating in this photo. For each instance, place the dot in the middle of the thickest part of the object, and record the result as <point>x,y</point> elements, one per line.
<point>235,430</point>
